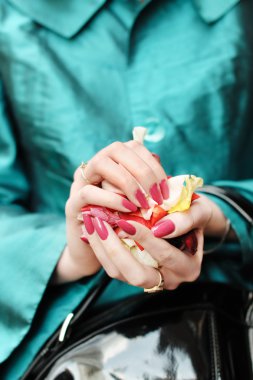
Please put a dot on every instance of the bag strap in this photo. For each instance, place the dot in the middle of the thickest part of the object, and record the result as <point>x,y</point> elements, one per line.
<point>61,334</point>
<point>236,200</point>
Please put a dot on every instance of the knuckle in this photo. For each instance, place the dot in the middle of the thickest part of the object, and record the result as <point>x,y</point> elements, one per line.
<point>141,234</point>
<point>132,144</point>
<point>125,182</point>
<point>207,211</point>
<point>166,256</point>
<point>68,207</point>
<point>191,220</point>
<point>94,164</point>
<point>72,189</point>
<point>138,280</point>
<point>116,145</point>
<point>113,273</point>
<point>171,286</point>
<point>76,174</point>
<point>193,275</point>
<point>112,252</point>
<point>146,172</point>
<point>84,192</point>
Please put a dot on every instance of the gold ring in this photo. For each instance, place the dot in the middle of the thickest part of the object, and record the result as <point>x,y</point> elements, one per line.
<point>82,167</point>
<point>158,287</point>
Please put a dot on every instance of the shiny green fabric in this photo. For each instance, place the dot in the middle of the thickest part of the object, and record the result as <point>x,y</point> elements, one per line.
<point>78,75</point>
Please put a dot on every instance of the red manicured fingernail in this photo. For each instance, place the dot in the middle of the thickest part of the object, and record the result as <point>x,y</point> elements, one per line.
<point>129,205</point>
<point>84,239</point>
<point>88,224</point>
<point>127,227</point>
<point>159,222</point>
<point>165,189</point>
<point>140,196</point>
<point>100,228</point>
<point>156,157</point>
<point>164,228</point>
<point>156,194</point>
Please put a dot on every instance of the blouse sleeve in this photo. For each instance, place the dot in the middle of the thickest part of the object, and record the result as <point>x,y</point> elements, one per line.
<point>31,243</point>
<point>233,263</point>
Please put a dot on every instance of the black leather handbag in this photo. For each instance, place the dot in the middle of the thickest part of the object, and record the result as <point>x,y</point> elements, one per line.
<point>197,332</point>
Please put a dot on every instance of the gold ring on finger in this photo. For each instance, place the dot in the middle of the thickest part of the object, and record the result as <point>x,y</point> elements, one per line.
<point>82,167</point>
<point>157,288</point>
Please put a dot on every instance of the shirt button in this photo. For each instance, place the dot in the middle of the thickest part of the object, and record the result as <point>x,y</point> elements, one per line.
<point>155,132</point>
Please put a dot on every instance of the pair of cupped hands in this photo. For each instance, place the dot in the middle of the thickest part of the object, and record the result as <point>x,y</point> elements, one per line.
<point>135,171</point>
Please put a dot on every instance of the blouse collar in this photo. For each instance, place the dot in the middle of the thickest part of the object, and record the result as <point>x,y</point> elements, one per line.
<point>67,17</point>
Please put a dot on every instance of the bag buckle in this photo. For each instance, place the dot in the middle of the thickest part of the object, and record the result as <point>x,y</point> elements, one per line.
<point>65,327</point>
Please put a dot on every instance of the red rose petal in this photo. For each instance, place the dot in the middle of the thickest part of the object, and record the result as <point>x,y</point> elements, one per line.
<point>158,213</point>
<point>194,197</point>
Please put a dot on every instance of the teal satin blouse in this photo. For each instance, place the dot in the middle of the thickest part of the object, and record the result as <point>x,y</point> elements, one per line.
<point>78,75</point>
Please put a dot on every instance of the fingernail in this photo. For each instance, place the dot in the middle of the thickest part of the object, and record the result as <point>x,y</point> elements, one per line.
<point>165,189</point>
<point>84,239</point>
<point>127,227</point>
<point>88,224</point>
<point>156,157</point>
<point>164,228</point>
<point>129,205</point>
<point>159,222</point>
<point>100,228</point>
<point>140,196</point>
<point>156,194</point>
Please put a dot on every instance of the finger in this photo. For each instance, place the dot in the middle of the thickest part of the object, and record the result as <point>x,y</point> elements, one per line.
<point>154,163</point>
<point>133,164</point>
<point>93,195</point>
<point>173,279</point>
<point>180,263</point>
<point>128,267</point>
<point>78,182</point>
<point>140,169</point>
<point>78,245</point>
<point>179,223</point>
<point>98,249</point>
<point>117,175</point>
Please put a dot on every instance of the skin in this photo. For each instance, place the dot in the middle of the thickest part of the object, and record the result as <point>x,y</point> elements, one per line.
<point>126,166</point>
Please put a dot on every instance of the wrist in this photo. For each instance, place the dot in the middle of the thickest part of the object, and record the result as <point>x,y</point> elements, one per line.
<point>218,224</point>
<point>217,221</point>
<point>71,268</point>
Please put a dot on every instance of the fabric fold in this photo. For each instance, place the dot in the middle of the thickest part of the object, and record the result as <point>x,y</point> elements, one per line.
<point>213,10</point>
<point>39,240</point>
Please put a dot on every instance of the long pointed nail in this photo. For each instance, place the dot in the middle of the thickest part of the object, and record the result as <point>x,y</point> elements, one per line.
<point>163,229</point>
<point>100,228</point>
<point>129,205</point>
<point>165,189</point>
<point>127,227</point>
<point>156,194</point>
<point>88,224</point>
<point>140,196</point>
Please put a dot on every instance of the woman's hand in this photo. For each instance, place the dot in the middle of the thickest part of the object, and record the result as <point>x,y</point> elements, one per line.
<point>130,167</point>
<point>203,214</point>
<point>175,266</point>
<point>78,259</point>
